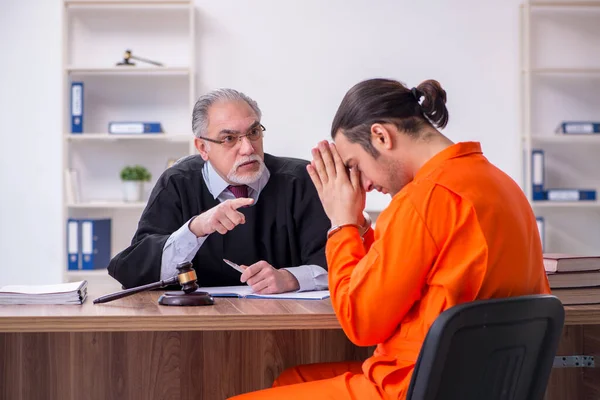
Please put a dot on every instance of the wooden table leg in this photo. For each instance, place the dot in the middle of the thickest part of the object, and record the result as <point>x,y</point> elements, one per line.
<point>567,383</point>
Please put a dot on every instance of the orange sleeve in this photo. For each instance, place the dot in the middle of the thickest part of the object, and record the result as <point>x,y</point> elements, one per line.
<point>371,291</point>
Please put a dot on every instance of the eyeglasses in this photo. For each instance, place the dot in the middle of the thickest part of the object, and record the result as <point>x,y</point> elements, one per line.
<point>231,140</point>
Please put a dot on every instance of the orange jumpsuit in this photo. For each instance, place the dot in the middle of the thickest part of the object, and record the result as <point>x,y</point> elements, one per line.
<point>461,230</point>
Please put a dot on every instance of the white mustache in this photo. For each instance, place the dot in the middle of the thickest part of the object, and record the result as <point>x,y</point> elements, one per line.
<point>253,157</point>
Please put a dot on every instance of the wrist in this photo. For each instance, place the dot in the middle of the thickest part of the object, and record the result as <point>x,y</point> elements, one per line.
<point>196,228</point>
<point>292,283</point>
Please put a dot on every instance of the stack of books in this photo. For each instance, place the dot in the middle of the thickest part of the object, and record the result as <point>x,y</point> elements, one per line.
<point>62,293</point>
<point>573,279</point>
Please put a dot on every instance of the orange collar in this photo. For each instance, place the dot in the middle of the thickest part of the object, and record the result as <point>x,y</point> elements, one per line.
<point>456,150</point>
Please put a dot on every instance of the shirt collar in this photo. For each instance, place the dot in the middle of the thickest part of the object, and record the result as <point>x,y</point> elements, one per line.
<point>216,184</point>
<point>456,150</point>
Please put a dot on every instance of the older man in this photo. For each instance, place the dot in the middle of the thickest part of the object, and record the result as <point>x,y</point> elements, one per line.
<point>232,201</point>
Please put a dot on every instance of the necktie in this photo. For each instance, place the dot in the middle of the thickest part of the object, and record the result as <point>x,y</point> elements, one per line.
<point>239,191</point>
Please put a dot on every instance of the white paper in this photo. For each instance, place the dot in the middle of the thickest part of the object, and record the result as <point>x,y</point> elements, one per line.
<point>246,291</point>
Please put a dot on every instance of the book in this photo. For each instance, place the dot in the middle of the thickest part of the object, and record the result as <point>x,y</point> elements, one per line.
<point>62,293</point>
<point>559,262</point>
<point>246,292</point>
<point>574,279</point>
<point>578,295</point>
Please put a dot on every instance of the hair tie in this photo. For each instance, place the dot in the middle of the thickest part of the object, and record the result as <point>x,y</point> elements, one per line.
<point>417,94</point>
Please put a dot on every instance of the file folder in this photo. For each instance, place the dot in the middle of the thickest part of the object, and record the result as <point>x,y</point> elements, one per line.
<point>77,107</point>
<point>537,174</point>
<point>73,254</point>
<point>95,243</point>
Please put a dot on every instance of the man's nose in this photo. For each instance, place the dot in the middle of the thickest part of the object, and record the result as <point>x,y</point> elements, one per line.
<point>246,147</point>
<point>367,184</point>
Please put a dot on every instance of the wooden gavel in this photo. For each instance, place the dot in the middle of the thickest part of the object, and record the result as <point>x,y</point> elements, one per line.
<point>186,277</point>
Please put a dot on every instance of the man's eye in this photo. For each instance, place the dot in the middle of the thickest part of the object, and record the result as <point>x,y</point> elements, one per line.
<point>229,139</point>
<point>254,133</point>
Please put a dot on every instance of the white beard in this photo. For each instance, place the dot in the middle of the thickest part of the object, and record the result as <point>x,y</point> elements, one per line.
<point>246,179</point>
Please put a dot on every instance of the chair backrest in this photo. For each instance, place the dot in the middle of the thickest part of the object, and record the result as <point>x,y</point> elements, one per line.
<point>490,349</point>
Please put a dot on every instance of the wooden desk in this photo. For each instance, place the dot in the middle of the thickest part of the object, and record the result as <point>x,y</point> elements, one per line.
<point>581,336</point>
<point>133,348</point>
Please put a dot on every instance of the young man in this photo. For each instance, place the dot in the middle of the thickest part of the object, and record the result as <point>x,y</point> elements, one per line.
<point>233,202</point>
<point>456,230</point>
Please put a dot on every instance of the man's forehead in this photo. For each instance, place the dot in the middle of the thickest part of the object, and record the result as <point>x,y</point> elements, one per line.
<point>238,124</point>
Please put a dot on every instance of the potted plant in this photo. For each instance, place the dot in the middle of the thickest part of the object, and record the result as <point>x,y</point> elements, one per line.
<point>133,177</point>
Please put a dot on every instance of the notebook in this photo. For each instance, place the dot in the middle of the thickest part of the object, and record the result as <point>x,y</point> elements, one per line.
<point>62,293</point>
<point>246,292</point>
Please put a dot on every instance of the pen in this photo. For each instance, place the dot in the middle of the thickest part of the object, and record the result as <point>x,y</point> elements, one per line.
<point>233,265</point>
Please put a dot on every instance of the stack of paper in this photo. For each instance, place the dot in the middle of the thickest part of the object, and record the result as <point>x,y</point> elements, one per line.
<point>62,293</point>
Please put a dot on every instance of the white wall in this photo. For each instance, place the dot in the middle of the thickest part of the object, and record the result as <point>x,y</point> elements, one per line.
<point>297,59</point>
<point>30,121</point>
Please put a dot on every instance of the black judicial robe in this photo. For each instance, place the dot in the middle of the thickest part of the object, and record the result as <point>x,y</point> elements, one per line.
<point>287,227</point>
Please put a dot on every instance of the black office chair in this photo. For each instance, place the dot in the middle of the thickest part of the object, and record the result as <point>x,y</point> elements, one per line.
<point>490,350</point>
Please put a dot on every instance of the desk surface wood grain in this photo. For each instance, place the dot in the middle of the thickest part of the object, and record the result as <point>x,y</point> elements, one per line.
<point>141,312</point>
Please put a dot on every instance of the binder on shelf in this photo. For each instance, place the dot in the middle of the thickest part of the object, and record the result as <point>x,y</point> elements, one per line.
<point>133,127</point>
<point>77,107</point>
<point>571,194</point>
<point>542,230</point>
<point>579,127</point>
<point>95,243</point>
<point>73,239</point>
<point>537,174</point>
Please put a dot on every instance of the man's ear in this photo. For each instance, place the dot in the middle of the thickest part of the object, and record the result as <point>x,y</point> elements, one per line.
<point>202,148</point>
<point>381,137</point>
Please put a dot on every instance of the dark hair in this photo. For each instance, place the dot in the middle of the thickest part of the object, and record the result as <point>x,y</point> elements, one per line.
<point>389,101</point>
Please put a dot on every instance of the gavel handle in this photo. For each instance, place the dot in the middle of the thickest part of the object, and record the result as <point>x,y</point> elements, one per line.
<point>128,292</point>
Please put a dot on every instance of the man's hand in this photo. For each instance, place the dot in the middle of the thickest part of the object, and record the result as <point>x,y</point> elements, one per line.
<point>343,196</point>
<point>264,279</point>
<point>221,218</point>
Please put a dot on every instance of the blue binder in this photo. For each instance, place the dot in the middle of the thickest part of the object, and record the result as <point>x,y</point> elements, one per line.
<point>73,248</point>
<point>537,175</point>
<point>542,230</point>
<point>77,107</point>
<point>95,243</point>
<point>134,127</point>
<point>579,127</point>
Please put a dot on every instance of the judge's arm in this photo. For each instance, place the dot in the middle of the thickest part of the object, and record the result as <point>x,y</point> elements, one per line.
<point>140,263</point>
<point>184,243</point>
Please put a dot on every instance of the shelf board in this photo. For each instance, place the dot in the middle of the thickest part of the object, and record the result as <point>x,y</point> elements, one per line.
<point>565,204</point>
<point>88,272</point>
<point>563,71</point>
<point>131,4</point>
<point>565,4</point>
<point>108,205</point>
<point>178,138</point>
<point>567,138</point>
<point>129,71</point>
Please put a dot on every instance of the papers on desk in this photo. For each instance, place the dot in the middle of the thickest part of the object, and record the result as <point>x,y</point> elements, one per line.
<point>62,293</point>
<point>246,292</point>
